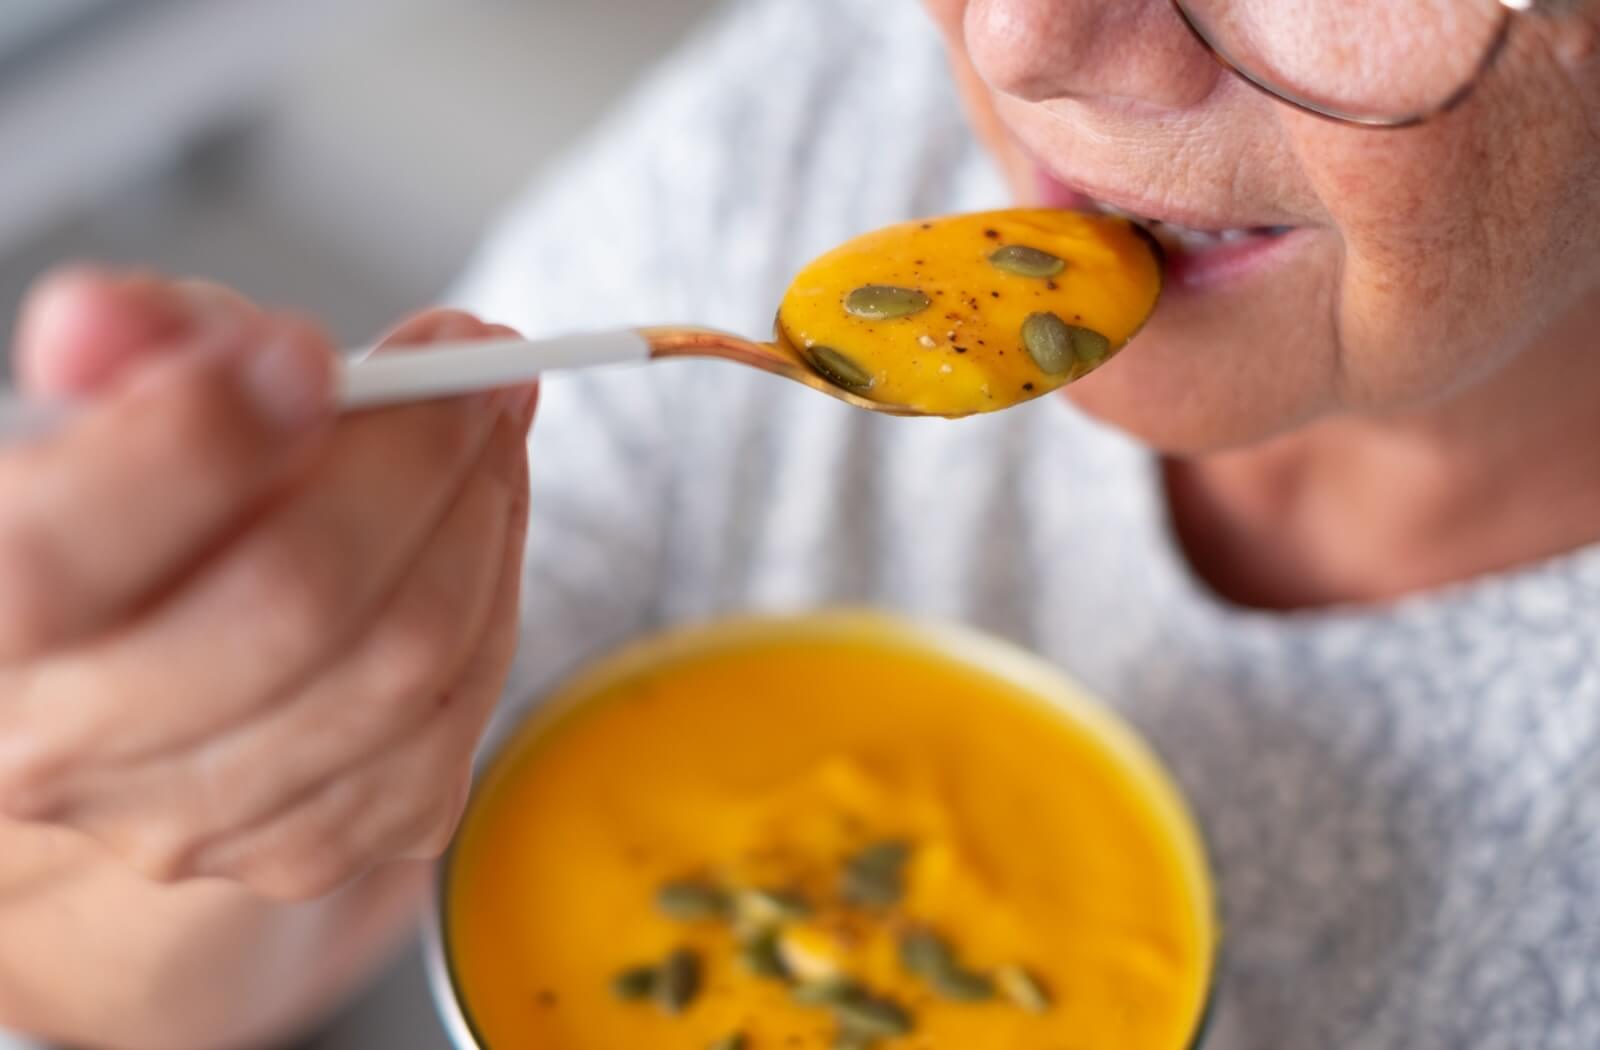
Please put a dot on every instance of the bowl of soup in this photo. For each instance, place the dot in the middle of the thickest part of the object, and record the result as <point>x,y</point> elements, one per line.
<point>835,832</point>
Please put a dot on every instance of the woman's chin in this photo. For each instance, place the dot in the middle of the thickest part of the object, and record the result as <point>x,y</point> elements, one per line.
<point>1224,368</point>
<point>1164,393</point>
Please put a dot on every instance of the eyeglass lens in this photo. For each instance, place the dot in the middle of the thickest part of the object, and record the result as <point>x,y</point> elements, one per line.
<point>1364,58</point>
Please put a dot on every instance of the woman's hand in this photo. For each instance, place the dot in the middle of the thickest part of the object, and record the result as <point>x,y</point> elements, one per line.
<point>241,638</point>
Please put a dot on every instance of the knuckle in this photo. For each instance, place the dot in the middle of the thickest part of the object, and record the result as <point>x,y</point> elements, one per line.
<point>35,764</point>
<point>433,845</point>
<point>300,880</point>
<point>29,788</point>
<point>296,591</point>
<point>439,813</point>
<point>311,855</point>
<point>163,855</point>
<point>413,648</point>
<point>203,424</point>
<point>438,831</point>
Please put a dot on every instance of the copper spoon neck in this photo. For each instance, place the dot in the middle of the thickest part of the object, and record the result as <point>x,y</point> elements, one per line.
<point>776,358</point>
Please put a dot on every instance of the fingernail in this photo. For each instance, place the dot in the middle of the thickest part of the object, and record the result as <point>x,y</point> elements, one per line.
<point>287,378</point>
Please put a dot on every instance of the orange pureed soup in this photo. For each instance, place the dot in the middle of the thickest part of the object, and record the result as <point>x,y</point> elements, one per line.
<point>1038,841</point>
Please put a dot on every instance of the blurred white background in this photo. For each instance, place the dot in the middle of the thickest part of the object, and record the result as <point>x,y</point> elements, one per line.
<point>337,156</point>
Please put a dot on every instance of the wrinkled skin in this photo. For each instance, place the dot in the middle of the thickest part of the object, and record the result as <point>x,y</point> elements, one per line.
<point>1430,259</point>
<point>1362,415</point>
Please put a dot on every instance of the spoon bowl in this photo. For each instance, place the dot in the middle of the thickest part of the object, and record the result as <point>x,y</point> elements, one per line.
<point>955,316</point>
<point>973,313</point>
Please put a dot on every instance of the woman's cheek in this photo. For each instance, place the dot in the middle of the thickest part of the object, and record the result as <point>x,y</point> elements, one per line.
<point>1446,247</point>
<point>1206,376</point>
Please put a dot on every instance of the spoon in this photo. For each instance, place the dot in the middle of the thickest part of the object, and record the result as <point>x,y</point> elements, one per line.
<point>941,317</point>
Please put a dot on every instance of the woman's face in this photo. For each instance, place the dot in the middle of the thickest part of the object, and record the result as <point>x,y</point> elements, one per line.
<point>1384,271</point>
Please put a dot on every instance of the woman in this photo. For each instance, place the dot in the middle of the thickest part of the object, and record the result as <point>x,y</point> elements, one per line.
<point>1329,533</point>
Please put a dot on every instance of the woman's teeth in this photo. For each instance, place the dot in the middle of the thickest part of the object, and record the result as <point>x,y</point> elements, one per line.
<point>1185,239</point>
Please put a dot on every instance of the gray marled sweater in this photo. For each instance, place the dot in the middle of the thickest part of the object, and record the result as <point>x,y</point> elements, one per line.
<point>1404,802</point>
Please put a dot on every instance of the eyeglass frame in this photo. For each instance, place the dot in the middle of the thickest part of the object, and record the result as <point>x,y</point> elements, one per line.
<point>1509,9</point>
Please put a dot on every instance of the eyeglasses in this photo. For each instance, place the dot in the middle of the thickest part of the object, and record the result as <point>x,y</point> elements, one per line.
<point>1381,64</point>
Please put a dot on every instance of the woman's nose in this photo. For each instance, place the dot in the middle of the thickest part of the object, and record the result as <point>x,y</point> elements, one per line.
<point>1088,50</point>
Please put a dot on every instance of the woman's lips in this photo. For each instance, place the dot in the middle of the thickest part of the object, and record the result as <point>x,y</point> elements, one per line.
<point>1196,258</point>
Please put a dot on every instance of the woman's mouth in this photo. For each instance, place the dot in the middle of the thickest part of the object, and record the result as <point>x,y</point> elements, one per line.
<point>1198,256</point>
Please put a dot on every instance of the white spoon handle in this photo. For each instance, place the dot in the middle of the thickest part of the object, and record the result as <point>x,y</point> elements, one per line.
<point>445,370</point>
<point>464,368</point>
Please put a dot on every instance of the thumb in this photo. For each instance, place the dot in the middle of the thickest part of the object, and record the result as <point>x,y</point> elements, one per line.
<point>82,328</point>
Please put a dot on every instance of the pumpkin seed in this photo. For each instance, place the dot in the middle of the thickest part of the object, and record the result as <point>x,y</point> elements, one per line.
<point>840,370</point>
<point>1021,261</point>
<point>636,983</point>
<point>885,302</point>
<point>922,951</point>
<point>770,907</point>
<point>826,993</point>
<point>930,957</point>
<point>1023,988</point>
<point>736,1041</point>
<point>860,1014</point>
<point>873,878</point>
<point>679,981</point>
<point>692,901</point>
<point>874,1018</point>
<point>963,986</point>
<point>1089,346</point>
<point>762,957</point>
<point>1048,340</point>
